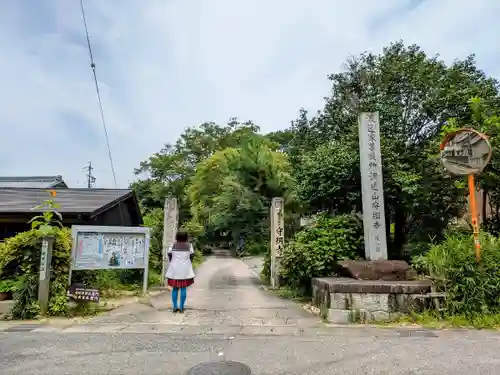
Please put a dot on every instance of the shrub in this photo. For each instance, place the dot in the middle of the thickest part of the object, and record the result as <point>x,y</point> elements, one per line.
<point>154,220</point>
<point>20,257</point>
<point>254,248</point>
<point>20,260</point>
<point>471,288</point>
<point>206,250</point>
<point>492,225</point>
<point>8,285</point>
<point>266,267</point>
<point>315,250</point>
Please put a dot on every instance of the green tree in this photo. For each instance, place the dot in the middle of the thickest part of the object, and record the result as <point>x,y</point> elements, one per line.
<point>154,220</point>
<point>232,189</point>
<point>415,95</point>
<point>167,173</point>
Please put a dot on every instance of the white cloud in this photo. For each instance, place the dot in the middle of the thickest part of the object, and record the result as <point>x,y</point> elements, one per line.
<point>164,65</point>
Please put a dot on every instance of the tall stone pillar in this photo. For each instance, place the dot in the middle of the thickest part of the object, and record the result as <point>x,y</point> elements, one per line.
<point>277,238</point>
<point>372,187</point>
<point>170,223</point>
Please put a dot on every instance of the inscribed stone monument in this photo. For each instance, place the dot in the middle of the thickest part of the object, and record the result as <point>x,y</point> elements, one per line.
<point>277,238</point>
<point>170,223</point>
<point>372,187</point>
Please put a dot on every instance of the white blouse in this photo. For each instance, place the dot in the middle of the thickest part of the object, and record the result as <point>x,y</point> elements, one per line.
<point>180,267</point>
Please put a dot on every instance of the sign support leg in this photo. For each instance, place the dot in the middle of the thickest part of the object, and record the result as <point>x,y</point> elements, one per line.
<point>70,275</point>
<point>145,281</point>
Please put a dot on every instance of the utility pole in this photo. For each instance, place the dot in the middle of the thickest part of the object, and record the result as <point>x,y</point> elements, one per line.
<point>90,178</point>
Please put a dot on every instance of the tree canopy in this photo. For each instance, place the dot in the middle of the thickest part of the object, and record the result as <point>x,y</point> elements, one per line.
<point>225,175</point>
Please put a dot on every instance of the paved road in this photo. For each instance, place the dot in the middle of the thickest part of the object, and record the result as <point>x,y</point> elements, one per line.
<point>231,318</point>
<point>226,295</point>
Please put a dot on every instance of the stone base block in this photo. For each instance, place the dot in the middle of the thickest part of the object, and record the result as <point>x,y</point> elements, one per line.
<point>337,316</point>
<point>350,300</point>
<point>346,285</point>
<point>6,306</point>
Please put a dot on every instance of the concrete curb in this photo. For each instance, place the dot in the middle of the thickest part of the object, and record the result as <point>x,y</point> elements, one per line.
<point>109,306</point>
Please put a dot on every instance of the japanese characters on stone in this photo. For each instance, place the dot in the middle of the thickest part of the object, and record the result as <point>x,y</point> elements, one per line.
<point>279,235</point>
<point>373,165</point>
<point>372,187</point>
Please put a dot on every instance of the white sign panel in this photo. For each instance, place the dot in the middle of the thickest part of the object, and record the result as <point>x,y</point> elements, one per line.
<point>97,247</point>
<point>372,187</point>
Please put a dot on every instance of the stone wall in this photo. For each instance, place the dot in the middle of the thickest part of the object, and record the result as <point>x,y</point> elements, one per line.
<point>6,306</point>
<point>344,300</point>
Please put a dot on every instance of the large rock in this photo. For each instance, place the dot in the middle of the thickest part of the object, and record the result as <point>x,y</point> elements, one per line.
<point>388,270</point>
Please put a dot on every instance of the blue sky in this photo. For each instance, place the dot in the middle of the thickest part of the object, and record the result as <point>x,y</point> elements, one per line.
<point>167,64</point>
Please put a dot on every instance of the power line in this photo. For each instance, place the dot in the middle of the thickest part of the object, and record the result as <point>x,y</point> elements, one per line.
<point>92,66</point>
<point>90,177</point>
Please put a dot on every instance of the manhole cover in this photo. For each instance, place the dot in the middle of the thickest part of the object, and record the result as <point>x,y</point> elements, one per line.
<point>22,328</point>
<point>220,368</point>
<point>417,333</point>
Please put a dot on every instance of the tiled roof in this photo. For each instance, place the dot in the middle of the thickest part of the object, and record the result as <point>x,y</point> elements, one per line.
<point>31,182</point>
<point>69,200</point>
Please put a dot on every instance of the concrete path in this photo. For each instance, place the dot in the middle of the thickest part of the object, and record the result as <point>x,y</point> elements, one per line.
<point>230,317</point>
<point>226,298</point>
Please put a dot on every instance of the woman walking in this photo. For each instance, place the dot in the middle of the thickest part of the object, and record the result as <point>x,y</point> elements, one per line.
<point>180,273</point>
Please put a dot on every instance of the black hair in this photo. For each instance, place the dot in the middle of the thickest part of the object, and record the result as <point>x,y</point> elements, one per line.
<point>181,236</point>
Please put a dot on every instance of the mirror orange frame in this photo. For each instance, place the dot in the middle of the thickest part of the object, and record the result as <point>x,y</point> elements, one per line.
<point>463,130</point>
<point>472,186</point>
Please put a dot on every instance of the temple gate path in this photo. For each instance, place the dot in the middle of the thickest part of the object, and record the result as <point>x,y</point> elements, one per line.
<point>227,297</point>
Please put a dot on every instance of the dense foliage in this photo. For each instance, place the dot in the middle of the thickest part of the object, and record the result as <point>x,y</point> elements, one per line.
<point>471,288</point>
<point>231,190</point>
<point>173,170</point>
<point>315,250</point>
<point>20,261</point>
<point>415,96</point>
<point>225,176</point>
<point>19,273</point>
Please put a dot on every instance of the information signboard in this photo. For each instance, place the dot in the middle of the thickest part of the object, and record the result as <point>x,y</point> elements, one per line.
<point>103,247</point>
<point>83,294</point>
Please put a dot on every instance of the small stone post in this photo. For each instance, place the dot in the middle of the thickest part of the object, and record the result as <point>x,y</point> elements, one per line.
<point>44,278</point>
<point>170,223</point>
<point>277,238</point>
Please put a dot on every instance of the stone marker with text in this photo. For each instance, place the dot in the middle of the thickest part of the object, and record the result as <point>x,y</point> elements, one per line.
<point>372,187</point>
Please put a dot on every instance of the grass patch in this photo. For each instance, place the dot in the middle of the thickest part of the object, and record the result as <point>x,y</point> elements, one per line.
<point>85,309</point>
<point>430,319</point>
<point>292,294</point>
<point>198,260</point>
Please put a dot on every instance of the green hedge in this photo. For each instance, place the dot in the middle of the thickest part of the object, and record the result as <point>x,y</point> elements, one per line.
<point>20,262</point>
<point>20,259</point>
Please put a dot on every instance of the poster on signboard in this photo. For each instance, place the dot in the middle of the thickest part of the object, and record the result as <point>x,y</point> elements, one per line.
<point>99,249</point>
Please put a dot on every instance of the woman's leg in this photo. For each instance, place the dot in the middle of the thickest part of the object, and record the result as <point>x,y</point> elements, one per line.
<point>183,297</point>
<point>175,297</point>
